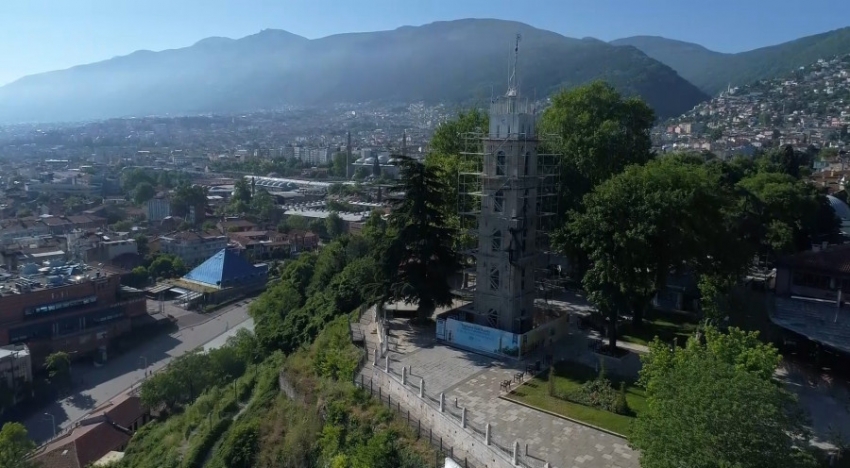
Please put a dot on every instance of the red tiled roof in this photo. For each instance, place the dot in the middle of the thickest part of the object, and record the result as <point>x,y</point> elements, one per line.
<point>82,447</point>
<point>123,410</point>
<point>54,221</point>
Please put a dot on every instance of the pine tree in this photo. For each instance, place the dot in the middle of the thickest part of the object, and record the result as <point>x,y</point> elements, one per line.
<point>420,259</point>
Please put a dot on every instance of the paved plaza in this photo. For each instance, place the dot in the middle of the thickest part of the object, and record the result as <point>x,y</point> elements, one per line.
<point>474,381</point>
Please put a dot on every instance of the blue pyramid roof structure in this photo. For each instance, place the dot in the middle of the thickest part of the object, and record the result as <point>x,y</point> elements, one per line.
<point>227,269</point>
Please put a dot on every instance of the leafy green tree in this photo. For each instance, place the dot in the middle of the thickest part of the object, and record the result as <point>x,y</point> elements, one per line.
<point>334,225</point>
<point>295,223</point>
<point>269,312</point>
<point>264,207</point>
<point>420,259</point>
<point>245,346</point>
<point>714,404</point>
<point>132,178</point>
<point>15,446</point>
<point>58,366</point>
<point>73,205</point>
<point>318,227</point>
<point>456,135</point>
<point>138,278</point>
<point>143,192</point>
<point>360,173</point>
<point>240,445</point>
<point>640,225</point>
<point>142,245</point>
<point>339,165</point>
<point>451,136</point>
<point>792,214</point>
<point>598,133</point>
<point>187,195</point>
<point>242,192</point>
<point>164,179</point>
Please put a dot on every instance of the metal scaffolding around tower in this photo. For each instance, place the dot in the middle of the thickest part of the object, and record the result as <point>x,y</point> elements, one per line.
<point>477,187</point>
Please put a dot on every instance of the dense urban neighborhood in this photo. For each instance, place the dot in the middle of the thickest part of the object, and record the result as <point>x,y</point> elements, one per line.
<point>807,107</point>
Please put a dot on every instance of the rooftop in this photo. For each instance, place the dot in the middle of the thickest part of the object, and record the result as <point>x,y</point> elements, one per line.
<point>224,269</point>
<point>34,277</point>
<point>14,350</point>
<point>322,214</point>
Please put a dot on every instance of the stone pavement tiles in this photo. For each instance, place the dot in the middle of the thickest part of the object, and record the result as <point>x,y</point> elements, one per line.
<point>474,380</point>
<point>562,443</point>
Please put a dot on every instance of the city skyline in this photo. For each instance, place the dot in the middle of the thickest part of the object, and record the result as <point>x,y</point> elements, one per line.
<point>45,35</point>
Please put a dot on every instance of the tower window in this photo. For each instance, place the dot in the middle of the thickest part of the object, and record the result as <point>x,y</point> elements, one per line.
<point>497,241</point>
<point>527,161</point>
<point>499,202</point>
<point>498,130</point>
<point>495,280</point>
<point>500,163</point>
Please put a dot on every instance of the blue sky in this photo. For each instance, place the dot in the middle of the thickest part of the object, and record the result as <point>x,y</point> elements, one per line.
<point>43,35</point>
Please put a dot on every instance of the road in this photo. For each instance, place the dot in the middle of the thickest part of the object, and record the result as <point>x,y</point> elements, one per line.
<point>97,385</point>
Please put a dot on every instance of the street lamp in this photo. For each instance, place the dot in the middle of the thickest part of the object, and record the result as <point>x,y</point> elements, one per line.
<point>53,423</point>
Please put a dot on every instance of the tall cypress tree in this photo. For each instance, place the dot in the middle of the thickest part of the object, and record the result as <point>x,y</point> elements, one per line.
<point>420,259</point>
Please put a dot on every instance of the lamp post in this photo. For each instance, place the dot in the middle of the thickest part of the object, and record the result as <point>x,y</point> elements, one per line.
<point>53,423</point>
<point>145,365</point>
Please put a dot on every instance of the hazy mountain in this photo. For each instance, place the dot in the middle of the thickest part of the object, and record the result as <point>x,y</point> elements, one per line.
<point>713,71</point>
<point>456,61</point>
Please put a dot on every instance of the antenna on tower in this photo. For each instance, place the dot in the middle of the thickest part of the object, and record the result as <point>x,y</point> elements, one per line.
<point>512,84</point>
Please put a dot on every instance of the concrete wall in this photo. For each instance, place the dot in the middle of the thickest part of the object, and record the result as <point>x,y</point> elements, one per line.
<point>442,424</point>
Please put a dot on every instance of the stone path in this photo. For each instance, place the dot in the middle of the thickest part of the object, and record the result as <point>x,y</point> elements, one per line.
<point>474,380</point>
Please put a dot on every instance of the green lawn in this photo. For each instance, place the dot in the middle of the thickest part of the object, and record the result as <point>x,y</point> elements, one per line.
<point>569,376</point>
<point>665,325</point>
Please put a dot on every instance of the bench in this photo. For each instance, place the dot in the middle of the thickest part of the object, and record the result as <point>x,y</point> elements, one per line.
<point>505,385</point>
<point>518,377</point>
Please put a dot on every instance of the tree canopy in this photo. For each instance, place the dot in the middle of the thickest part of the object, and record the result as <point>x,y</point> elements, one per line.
<point>419,259</point>
<point>15,446</point>
<point>712,403</point>
<point>639,226</point>
<point>597,132</point>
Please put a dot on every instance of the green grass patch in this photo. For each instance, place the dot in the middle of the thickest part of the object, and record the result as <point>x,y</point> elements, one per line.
<point>664,325</point>
<point>569,377</point>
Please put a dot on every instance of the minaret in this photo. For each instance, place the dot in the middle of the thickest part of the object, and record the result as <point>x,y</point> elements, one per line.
<point>404,144</point>
<point>504,294</point>
<point>348,156</point>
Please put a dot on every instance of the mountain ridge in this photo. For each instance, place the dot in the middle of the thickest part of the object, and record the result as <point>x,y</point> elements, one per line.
<point>446,61</point>
<point>713,71</point>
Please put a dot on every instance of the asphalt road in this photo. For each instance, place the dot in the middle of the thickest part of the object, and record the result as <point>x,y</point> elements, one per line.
<point>97,385</point>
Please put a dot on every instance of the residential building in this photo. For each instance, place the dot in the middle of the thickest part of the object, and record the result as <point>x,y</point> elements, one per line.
<point>11,229</point>
<point>192,247</point>
<point>15,369</point>
<point>235,225</point>
<point>158,208</point>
